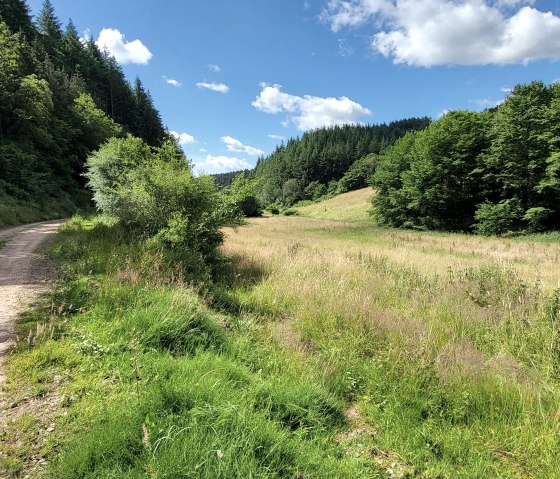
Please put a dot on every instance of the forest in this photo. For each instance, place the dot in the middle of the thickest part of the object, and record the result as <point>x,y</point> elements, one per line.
<point>492,172</point>
<point>60,99</point>
<point>310,166</point>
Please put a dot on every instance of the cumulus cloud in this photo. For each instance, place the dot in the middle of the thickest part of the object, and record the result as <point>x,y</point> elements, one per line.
<point>124,52</point>
<point>442,113</point>
<point>171,81</point>
<point>215,164</point>
<point>219,87</point>
<point>235,145</point>
<point>277,137</point>
<point>183,138</point>
<point>214,68</point>
<point>309,112</point>
<point>445,32</point>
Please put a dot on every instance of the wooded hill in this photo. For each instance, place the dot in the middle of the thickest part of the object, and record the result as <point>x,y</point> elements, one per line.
<point>60,98</point>
<point>303,167</point>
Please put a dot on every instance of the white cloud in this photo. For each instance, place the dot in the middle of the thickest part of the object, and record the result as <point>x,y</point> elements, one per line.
<point>309,112</point>
<point>277,137</point>
<point>171,81</point>
<point>183,138</point>
<point>506,89</point>
<point>344,50</point>
<point>235,145</point>
<point>214,68</point>
<point>486,102</point>
<point>445,32</point>
<point>216,164</point>
<point>306,5</point>
<point>219,87</point>
<point>203,150</point>
<point>124,52</point>
<point>442,113</point>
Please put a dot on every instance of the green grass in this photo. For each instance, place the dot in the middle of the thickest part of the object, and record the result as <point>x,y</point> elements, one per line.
<point>300,359</point>
<point>152,383</point>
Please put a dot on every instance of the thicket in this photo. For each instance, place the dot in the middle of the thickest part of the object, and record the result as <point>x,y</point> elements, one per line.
<point>492,172</point>
<point>60,99</point>
<point>242,193</point>
<point>154,195</point>
<point>311,166</point>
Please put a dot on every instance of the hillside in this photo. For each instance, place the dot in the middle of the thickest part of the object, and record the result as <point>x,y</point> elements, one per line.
<point>60,99</point>
<point>353,206</point>
<point>306,167</point>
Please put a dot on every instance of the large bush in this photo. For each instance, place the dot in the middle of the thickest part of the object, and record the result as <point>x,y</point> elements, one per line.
<point>359,174</point>
<point>243,194</point>
<point>153,193</point>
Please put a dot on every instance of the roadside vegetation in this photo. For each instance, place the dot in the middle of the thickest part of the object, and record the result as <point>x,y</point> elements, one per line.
<point>318,348</point>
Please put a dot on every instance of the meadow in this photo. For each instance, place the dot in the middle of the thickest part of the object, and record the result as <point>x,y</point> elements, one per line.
<point>323,347</point>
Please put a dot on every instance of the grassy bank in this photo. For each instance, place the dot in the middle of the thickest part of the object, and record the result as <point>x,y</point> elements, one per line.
<point>320,349</point>
<point>142,379</point>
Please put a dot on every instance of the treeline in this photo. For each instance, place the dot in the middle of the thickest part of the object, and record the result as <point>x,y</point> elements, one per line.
<point>224,180</point>
<point>60,98</point>
<point>310,166</point>
<point>492,172</point>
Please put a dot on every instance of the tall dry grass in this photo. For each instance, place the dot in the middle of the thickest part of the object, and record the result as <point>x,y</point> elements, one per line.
<point>451,342</point>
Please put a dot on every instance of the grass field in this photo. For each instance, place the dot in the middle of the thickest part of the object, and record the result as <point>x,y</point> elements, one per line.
<point>354,207</point>
<point>325,348</point>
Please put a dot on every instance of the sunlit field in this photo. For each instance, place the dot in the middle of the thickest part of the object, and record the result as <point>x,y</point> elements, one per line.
<point>445,347</point>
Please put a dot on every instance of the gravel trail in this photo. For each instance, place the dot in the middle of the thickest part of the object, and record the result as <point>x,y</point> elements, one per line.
<point>23,275</point>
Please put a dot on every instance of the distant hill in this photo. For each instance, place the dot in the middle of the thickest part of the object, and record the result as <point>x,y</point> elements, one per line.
<point>301,167</point>
<point>223,180</point>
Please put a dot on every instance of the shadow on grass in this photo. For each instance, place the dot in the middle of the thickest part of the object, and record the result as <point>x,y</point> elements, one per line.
<point>236,272</point>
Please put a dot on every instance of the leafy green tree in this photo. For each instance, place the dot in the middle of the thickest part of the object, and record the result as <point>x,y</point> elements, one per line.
<point>291,192</point>
<point>359,174</point>
<point>243,194</point>
<point>96,126</point>
<point>439,187</point>
<point>314,191</point>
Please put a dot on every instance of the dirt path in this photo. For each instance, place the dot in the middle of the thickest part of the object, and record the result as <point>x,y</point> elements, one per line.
<point>23,275</point>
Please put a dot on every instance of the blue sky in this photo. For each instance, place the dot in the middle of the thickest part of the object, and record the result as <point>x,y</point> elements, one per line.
<point>233,78</point>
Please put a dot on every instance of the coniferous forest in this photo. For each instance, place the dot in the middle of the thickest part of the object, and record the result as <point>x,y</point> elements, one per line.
<point>60,99</point>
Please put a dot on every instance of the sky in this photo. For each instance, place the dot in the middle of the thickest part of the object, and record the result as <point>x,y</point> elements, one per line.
<point>232,79</point>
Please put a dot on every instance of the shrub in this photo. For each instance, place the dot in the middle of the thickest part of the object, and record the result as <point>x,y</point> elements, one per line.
<point>497,219</point>
<point>536,218</point>
<point>314,191</point>
<point>243,194</point>
<point>358,174</point>
<point>153,193</point>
